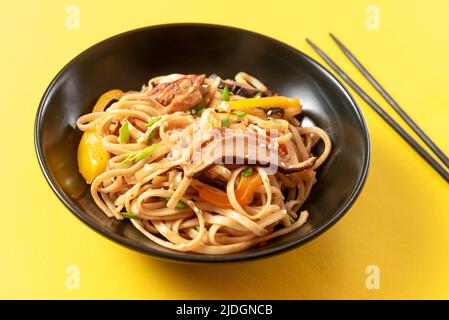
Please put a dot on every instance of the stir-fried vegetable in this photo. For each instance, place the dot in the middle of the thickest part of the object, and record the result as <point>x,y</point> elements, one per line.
<point>284,149</point>
<point>128,215</point>
<point>106,98</point>
<point>225,122</point>
<point>211,195</point>
<point>151,137</point>
<point>136,157</point>
<point>225,93</point>
<point>247,172</point>
<point>199,108</point>
<point>146,152</point>
<point>124,133</point>
<point>153,121</point>
<point>239,114</point>
<point>179,205</point>
<point>243,90</point>
<point>290,106</point>
<point>244,192</point>
<point>265,103</point>
<point>247,188</point>
<point>92,156</point>
<point>152,133</point>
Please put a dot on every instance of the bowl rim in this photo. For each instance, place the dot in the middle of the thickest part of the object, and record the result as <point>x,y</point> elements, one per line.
<point>174,255</point>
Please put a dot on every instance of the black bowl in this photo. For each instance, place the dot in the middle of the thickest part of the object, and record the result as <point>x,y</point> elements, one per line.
<point>128,60</point>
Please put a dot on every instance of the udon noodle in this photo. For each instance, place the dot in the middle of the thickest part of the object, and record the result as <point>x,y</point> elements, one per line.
<point>178,159</point>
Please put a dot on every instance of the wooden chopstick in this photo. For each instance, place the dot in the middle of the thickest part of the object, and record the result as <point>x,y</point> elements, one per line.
<point>412,124</point>
<point>381,112</point>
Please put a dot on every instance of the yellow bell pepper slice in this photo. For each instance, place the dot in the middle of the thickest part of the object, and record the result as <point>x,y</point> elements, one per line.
<point>291,106</point>
<point>265,103</point>
<point>106,98</point>
<point>92,156</point>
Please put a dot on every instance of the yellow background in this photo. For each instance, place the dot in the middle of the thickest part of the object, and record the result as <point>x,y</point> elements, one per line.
<point>400,222</point>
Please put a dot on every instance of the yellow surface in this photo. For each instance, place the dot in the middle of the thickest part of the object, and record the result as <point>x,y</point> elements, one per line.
<point>400,222</point>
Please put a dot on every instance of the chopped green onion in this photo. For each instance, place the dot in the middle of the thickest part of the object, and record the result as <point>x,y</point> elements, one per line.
<point>225,93</point>
<point>258,95</point>
<point>129,158</point>
<point>200,112</point>
<point>136,157</point>
<point>128,215</point>
<point>247,172</point>
<point>179,205</point>
<point>239,114</point>
<point>225,122</point>
<point>146,152</point>
<point>151,137</point>
<point>153,121</point>
<point>292,221</point>
<point>123,133</point>
<point>198,108</point>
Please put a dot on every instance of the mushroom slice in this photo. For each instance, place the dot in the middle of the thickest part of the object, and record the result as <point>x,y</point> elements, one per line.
<point>236,150</point>
<point>244,90</point>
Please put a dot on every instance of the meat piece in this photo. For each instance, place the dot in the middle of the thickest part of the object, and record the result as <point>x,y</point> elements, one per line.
<point>181,94</point>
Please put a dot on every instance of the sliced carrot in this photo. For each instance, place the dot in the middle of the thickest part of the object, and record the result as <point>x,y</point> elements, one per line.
<point>211,195</point>
<point>283,147</point>
<point>247,188</point>
<point>244,193</point>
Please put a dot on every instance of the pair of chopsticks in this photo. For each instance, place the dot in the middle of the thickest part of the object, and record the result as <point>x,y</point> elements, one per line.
<point>384,115</point>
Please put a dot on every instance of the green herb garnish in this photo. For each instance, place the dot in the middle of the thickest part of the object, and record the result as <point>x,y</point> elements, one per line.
<point>128,215</point>
<point>198,108</point>
<point>123,133</point>
<point>239,114</point>
<point>128,158</point>
<point>225,93</point>
<point>136,157</point>
<point>292,221</point>
<point>225,122</point>
<point>258,95</point>
<point>146,152</point>
<point>152,133</point>
<point>200,112</point>
<point>153,121</point>
<point>247,172</point>
<point>179,205</point>
<point>151,137</point>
